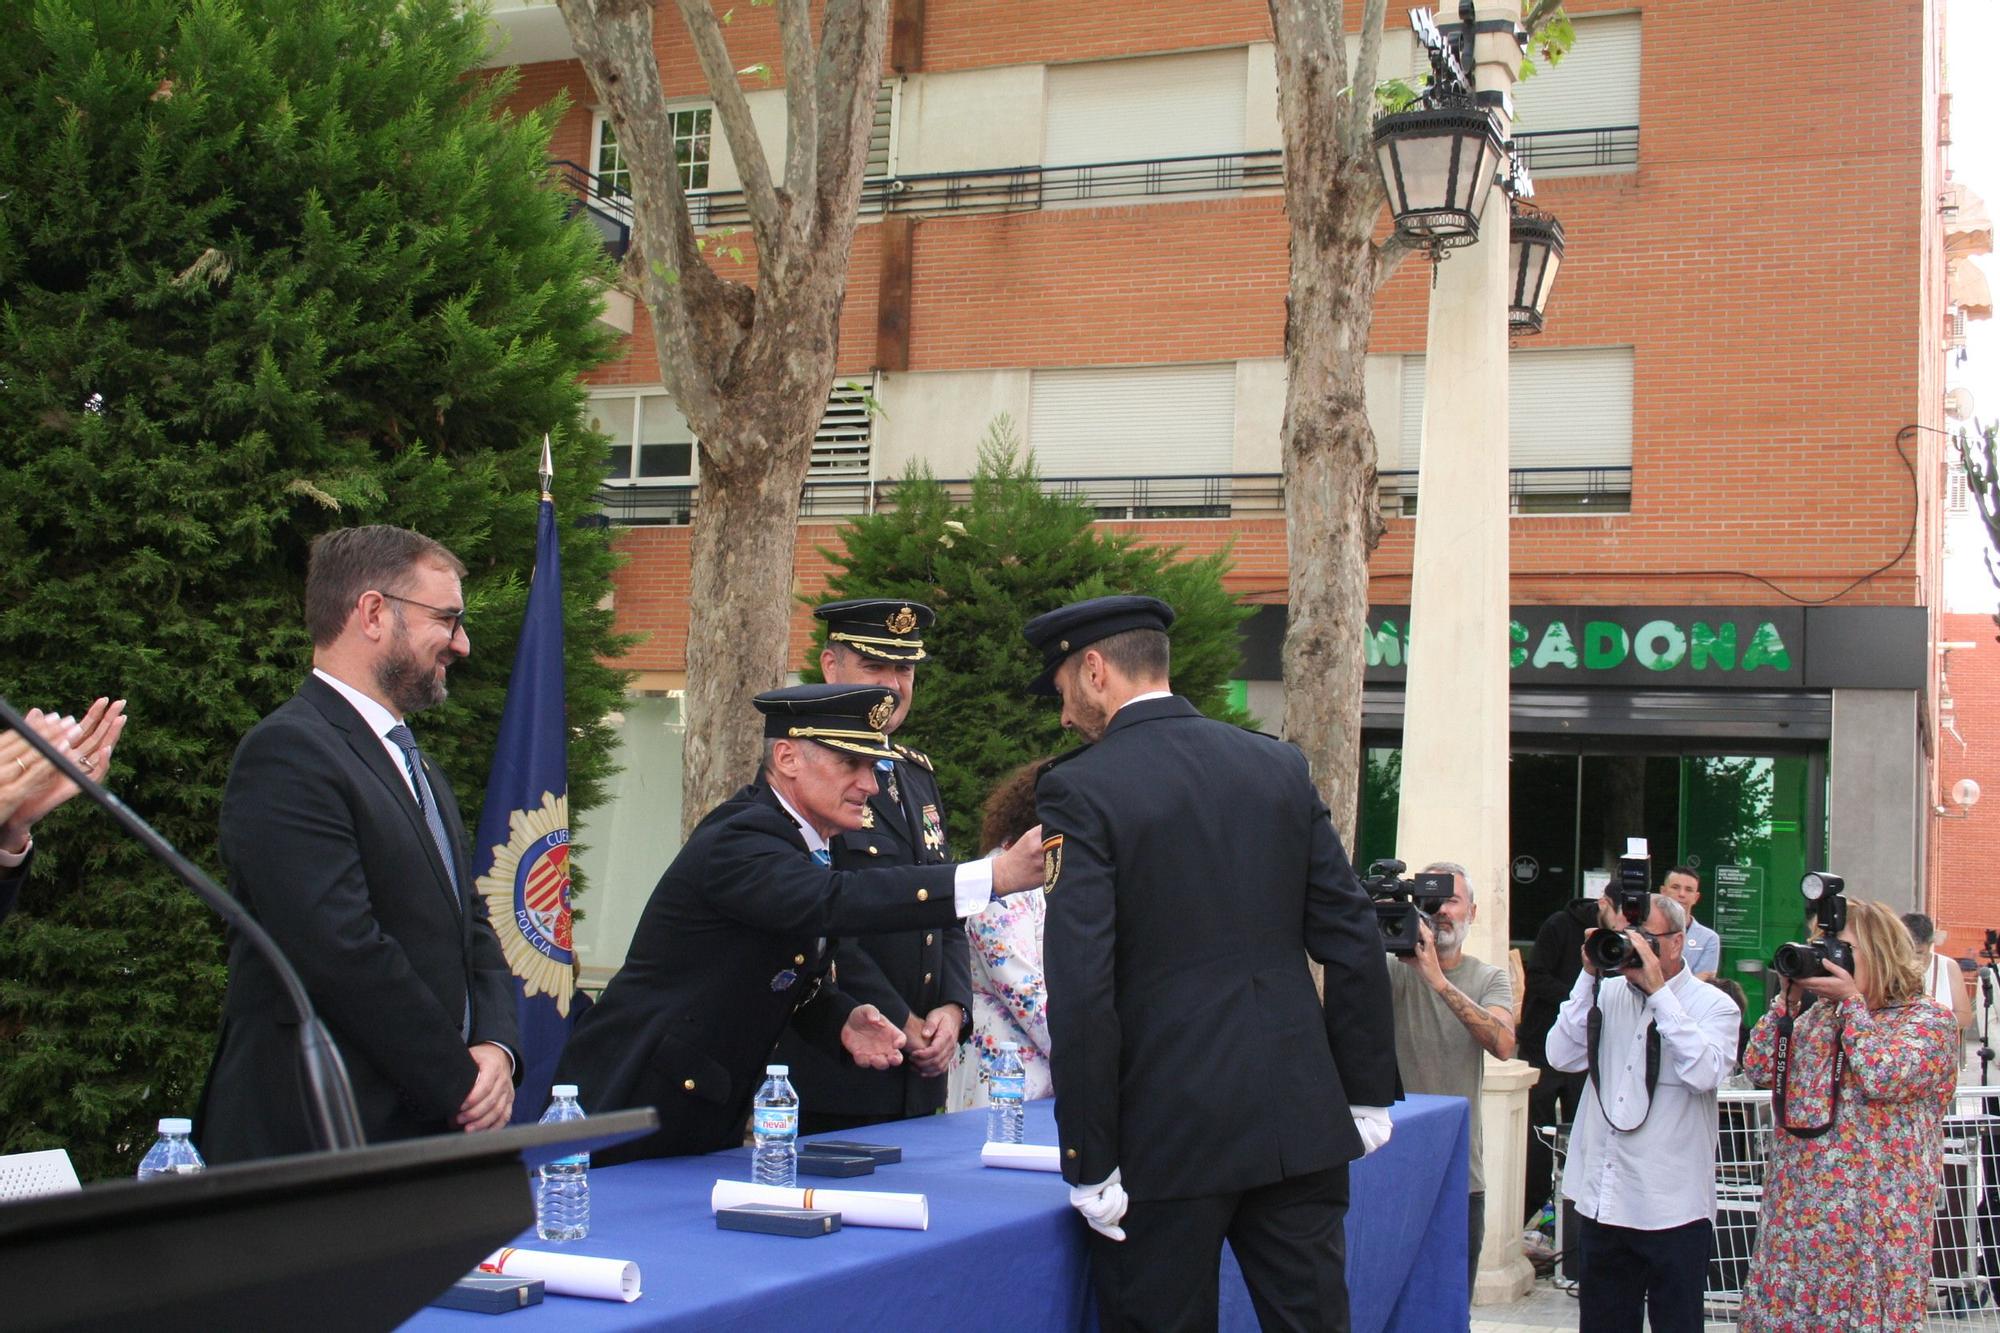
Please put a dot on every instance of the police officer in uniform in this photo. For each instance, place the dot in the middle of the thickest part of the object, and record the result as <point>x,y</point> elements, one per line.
<point>737,939</point>
<point>1203,1091</point>
<point>921,980</point>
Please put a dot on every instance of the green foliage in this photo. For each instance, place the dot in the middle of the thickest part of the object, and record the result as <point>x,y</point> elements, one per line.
<point>1551,34</point>
<point>986,568</point>
<point>267,267</point>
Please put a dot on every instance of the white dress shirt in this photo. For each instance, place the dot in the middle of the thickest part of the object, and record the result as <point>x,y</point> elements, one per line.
<point>379,719</point>
<point>1661,1174</point>
<point>971,884</point>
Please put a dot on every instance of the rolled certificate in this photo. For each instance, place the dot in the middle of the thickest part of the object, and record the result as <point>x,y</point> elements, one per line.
<point>857,1208</point>
<point>1022,1156</point>
<point>570,1274</point>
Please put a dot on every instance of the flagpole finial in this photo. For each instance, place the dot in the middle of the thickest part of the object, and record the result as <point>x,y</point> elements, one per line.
<point>548,468</point>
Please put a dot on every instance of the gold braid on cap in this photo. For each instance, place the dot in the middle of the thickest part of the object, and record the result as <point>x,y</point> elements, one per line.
<point>884,643</point>
<point>816,733</point>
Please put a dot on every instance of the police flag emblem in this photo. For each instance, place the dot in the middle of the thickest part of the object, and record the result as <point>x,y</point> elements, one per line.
<point>527,900</point>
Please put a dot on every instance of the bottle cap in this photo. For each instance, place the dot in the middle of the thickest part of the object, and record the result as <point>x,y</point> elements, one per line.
<point>781,1071</point>
<point>563,1090</point>
<point>176,1125</point>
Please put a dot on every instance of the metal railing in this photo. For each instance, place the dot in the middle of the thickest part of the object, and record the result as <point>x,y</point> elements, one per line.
<point>1236,495</point>
<point>1028,188</point>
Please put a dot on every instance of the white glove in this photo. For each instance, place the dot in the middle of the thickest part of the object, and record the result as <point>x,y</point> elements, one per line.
<point>1374,1124</point>
<point>1103,1206</point>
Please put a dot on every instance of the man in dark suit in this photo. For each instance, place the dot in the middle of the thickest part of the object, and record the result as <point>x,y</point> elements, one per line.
<point>736,940</point>
<point>921,980</point>
<point>348,848</point>
<point>1203,1090</point>
<point>30,786</point>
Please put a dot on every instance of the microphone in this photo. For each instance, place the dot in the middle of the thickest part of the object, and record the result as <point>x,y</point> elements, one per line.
<point>336,1123</point>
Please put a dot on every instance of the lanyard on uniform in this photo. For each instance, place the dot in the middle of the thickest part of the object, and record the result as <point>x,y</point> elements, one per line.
<point>1595,1026</point>
<point>1781,1076</point>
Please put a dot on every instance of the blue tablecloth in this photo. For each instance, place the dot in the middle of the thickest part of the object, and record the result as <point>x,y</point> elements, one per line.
<point>1004,1250</point>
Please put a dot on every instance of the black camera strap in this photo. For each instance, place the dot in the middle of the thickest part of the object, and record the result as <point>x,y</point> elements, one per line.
<point>1594,1025</point>
<point>1781,1073</point>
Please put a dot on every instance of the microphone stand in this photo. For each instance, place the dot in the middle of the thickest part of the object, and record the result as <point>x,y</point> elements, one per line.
<point>336,1123</point>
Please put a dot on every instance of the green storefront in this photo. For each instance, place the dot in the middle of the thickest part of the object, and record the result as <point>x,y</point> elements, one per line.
<point>1708,731</point>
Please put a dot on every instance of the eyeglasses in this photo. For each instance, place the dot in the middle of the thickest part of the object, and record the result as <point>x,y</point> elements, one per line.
<point>1657,940</point>
<point>455,619</point>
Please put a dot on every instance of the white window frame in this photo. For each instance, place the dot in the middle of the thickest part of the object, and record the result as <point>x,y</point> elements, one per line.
<point>636,395</point>
<point>618,204</point>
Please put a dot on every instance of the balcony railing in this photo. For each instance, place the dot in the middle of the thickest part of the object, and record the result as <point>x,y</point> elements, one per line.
<point>1535,490</point>
<point>1026,189</point>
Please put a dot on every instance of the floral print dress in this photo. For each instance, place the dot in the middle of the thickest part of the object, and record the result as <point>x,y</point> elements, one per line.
<point>1844,1241</point>
<point>1009,995</point>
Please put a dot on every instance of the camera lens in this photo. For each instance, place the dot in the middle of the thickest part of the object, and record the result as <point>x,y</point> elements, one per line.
<point>1796,962</point>
<point>1608,951</point>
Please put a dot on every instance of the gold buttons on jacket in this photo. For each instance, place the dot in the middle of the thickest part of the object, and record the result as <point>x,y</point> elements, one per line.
<point>1070,1153</point>
<point>927,978</point>
<point>798,958</point>
<point>923,895</point>
<point>873,850</point>
<point>929,939</point>
<point>689,1085</point>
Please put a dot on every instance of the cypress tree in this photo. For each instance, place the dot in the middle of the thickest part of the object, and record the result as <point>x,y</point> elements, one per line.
<point>268,267</point>
<point>989,566</point>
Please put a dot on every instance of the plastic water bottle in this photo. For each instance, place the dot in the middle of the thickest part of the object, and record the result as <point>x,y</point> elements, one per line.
<point>172,1154</point>
<point>775,1123</point>
<point>1006,1095</point>
<point>562,1187</point>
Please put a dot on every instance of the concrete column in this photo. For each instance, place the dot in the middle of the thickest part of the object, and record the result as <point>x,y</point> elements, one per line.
<point>1878,800</point>
<point>1455,721</point>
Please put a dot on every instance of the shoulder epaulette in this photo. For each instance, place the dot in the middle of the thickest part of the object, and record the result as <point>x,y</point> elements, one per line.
<point>917,757</point>
<point>1064,758</point>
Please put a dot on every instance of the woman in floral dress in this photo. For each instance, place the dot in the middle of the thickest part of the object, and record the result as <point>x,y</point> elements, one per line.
<point>1845,1236</point>
<point>1009,995</point>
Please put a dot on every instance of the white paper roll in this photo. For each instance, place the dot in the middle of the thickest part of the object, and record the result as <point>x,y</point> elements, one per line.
<point>1022,1156</point>
<point>857,1208</point>
<point>570,1274</point>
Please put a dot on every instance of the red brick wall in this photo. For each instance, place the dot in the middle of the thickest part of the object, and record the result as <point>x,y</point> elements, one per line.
<point>1967,850</point>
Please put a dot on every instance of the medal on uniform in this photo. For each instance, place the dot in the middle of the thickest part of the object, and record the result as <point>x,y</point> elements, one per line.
<point>783,981</point>
<point>933,829</point>
<point>867,816</point>
<point>895,791</point>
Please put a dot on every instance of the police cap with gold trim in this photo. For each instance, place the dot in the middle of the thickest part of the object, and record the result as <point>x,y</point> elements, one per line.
<point>843,717</point>
<point>889,629</point>
<point>1070,629</point>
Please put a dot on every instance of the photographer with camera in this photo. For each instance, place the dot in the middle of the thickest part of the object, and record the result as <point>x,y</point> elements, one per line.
<point>1861,1066</point>
<point>1452,1008</point>
<point>1657,1042</point>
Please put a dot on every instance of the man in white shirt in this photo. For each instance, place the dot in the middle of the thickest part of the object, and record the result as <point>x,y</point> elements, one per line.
<point>1704,946</point>
<point>1641,1168</point>
<point>1943,981</point>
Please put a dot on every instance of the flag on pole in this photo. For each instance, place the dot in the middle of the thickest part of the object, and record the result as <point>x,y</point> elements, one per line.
<point>522,851</point>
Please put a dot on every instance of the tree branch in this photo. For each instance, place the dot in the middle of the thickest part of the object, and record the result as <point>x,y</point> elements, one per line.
<point>1539,13</point>
<point>1389,254</point>
<point>850,67</point>
<point>1357,127</point>
<point>801,104</point>
<point>760,198</point>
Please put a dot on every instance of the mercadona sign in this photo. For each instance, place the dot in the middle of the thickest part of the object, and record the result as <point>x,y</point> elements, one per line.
<point>1678,647</point>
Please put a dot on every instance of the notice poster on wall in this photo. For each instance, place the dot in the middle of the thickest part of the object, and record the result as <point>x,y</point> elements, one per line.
<point>1739,906</point>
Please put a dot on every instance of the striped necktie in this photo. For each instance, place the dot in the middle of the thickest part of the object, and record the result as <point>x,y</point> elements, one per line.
<point>413,761</point>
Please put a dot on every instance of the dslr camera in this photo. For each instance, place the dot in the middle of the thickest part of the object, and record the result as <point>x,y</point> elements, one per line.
<point>1631,896</point>
<point>1798,961</point>
<point>1401,903</point>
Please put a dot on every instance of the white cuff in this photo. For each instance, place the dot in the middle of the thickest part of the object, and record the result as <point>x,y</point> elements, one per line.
<point>15,860</point>
<point>972,887</point>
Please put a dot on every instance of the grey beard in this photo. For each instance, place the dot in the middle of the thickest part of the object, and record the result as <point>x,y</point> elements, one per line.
<point>1446,934</point>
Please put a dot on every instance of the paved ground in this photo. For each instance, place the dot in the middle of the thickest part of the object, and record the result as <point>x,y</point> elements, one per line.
<point>1543,1308</point>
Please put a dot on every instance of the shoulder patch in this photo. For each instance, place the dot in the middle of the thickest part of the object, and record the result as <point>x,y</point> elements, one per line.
<point>1052,847</point>
<point>917,757</point>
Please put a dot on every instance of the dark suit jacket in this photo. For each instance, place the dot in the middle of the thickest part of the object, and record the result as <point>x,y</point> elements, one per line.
<point>326,846</point>
<point>732,946</point>
<point>906,972</point>
<point>1198,868</point>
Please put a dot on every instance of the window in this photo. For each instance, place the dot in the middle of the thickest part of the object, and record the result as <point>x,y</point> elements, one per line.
<point>1147,441</point>
<point>1569,428</point>
<point>882,134</point>
<point>1583,114</point>
<point>1145,111</point>
<point>650,439</point>
<point>689,127</point>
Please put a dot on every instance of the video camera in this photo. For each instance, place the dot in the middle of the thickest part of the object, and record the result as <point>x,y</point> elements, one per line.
<point>1401,903</point>
<point>1631,896</point>
<point>1798,961</point>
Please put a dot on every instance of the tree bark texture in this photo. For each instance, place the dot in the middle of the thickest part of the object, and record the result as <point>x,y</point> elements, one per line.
<point>749,365</point>
<point>1333,523</point>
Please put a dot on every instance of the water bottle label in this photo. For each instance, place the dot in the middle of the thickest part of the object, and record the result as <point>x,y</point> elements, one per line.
<point>1012,1086</point>
<point>775,1122</point>
<point>581,1159</point>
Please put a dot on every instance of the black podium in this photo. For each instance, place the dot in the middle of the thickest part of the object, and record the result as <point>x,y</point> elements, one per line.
<point>360,1239</point>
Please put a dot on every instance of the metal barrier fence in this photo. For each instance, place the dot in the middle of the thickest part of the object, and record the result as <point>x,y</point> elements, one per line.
<point>1965,1228</point>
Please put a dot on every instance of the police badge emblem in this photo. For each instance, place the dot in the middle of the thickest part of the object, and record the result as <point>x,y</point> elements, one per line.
<point>902,621</point>
<point>1051,862</point>
<point>527,900</point>
<point>879,715</point>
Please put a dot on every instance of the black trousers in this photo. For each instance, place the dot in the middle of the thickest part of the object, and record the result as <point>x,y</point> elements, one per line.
<point>1475,1238</point>
<point>1628,1273</point>
<point>1288,1238</point>
<point>1552,1101</point>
